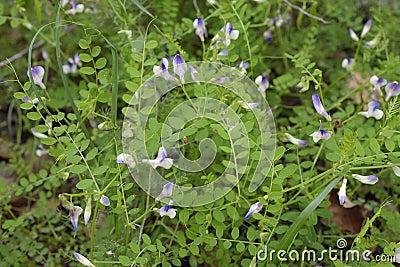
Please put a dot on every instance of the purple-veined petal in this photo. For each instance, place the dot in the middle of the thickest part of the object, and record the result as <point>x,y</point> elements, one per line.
<point>255,208</point>
<point>342,192</point>
<point>37,75</point>
<point>366,28</point>
<point>74,216</point>
<point>320,134</point>
<point>392,89</point>
<point>105,201</point>
<point>82,259</point>
<point>200,27</point>
<point>193,71</point>
<point>161,160</point>
<point>125,158</point>
<point>319,107</point>
<point>167,211</point>
<point>370,179</point>
<point>295,141</point>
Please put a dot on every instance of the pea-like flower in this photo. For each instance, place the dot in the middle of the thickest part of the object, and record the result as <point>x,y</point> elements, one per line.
<point>320,134</point>
<point>167,210</point>
<point>342,192</point>
<point>262,83</point>
<point>88,210</point>
<point>366,28</point>
<point>255,208</point>
<point>353,35</point>
<point>167,191</point>
<point>26,99</point>
<point>348,63</point>
<point>104,200</point>
<point>319,107</point>
<point>127,159</point>
<point>41,151</point>
<point>163,70</point>
<point>392,89</point>
<point>193,71</point>
<point>38,135</point>
<point>200,27</point>
<point>230,34</point>
<point>369,179</point>
<point>396,170</point>
<point>373,111</point>
<point>76,8</point>
<point>180,67</point>
<point>377,83</point>
<point>72,65</point>
<point>37,75</point>
<point>267,36</point>
<point>295,141</point>
<point>82,259</point>
<point>74,216</point>
<point>161,160</point>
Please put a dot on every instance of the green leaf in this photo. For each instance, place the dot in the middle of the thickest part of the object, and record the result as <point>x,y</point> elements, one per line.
<point>77,169</point>
<point>34,116</point>
<point>84,184</point>
<point>124,260</point>
<point>26,106</point>
<point>151,44</point>
<point>83,44</point>
<point>92,153</point>
<point>290,235</point>
<point>87,70</point>
<point>49,141</point>
<point>390,145</point>
<point>19,95</point>
<point>101,63</point>
<point>96,51</point>
<point>85,57</point>
<point>375,146</point>
<point>235,233</point>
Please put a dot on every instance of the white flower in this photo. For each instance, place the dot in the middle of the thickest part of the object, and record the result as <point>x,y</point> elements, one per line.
<point>37,75</point>
<point>396,170</point>
<point>88,210</point>
<point>38,135</point>
<point>262,83</point>
<point>342,192</point>
<point>83,260</point>
<point>167,191</point>
<point>348,63</point>
<point>255,208</point>
<point>125,158</point>
<point>320,134</point>
<point>76,8</point>
<point>167,210</point>
<point>161,160</point>
<point>295,141</point>
<point>370,179</point>
<point>104,200</point>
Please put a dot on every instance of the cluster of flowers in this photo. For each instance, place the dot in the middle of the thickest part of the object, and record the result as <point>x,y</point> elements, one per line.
<point>76,8</point>
<point>275,23</point>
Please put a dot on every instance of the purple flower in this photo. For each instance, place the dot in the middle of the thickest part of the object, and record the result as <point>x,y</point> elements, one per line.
<point>377,83</point>
<point>373,42</point>
<point>74,215</point>
<point>255,208</point>
<point>104,200</point>
<point>83,260</point>
<point>229,33</point>
<point>370,179</point>
<point>392,89</point>
<point>295,141</point>
<point>366,28</point>
<point>167,191</point>
<point>37,75</point>
<point>161,160</point>
<point>167,210</point>
<point>200,27</point>
<point>72,65</point>
<point>163,70</point>
<point>373,111</point>
<point>319,107</point>
<point>342,192</point>
<point>320,134</point>
<point>262,83</point>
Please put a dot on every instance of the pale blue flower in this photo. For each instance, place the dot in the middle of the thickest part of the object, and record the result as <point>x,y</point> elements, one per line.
<point>167,191</point>
<point>74,216</point>
<point>255,208</point>
<point>83,260</point>
<point>353,35</point>
<point>370,179</point>
<point>104,200</point>
<point>319,107</point>
<point>37,75</point>
<point>378,83</point>
<point>348,63</point>
<point>125,158</point>
<point>167,210</point>
<point>161,160</point>
<point>180,67</point>
<point>342,192</point>
<point>262,83</point>
<point>295,141</point>
<point>76,8</point>
<point>200,27</point>
<point>320,134</point>
<point>366,28</point>
<point>163,70</point>
<point>373,111</point>
<point>392,89</point>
